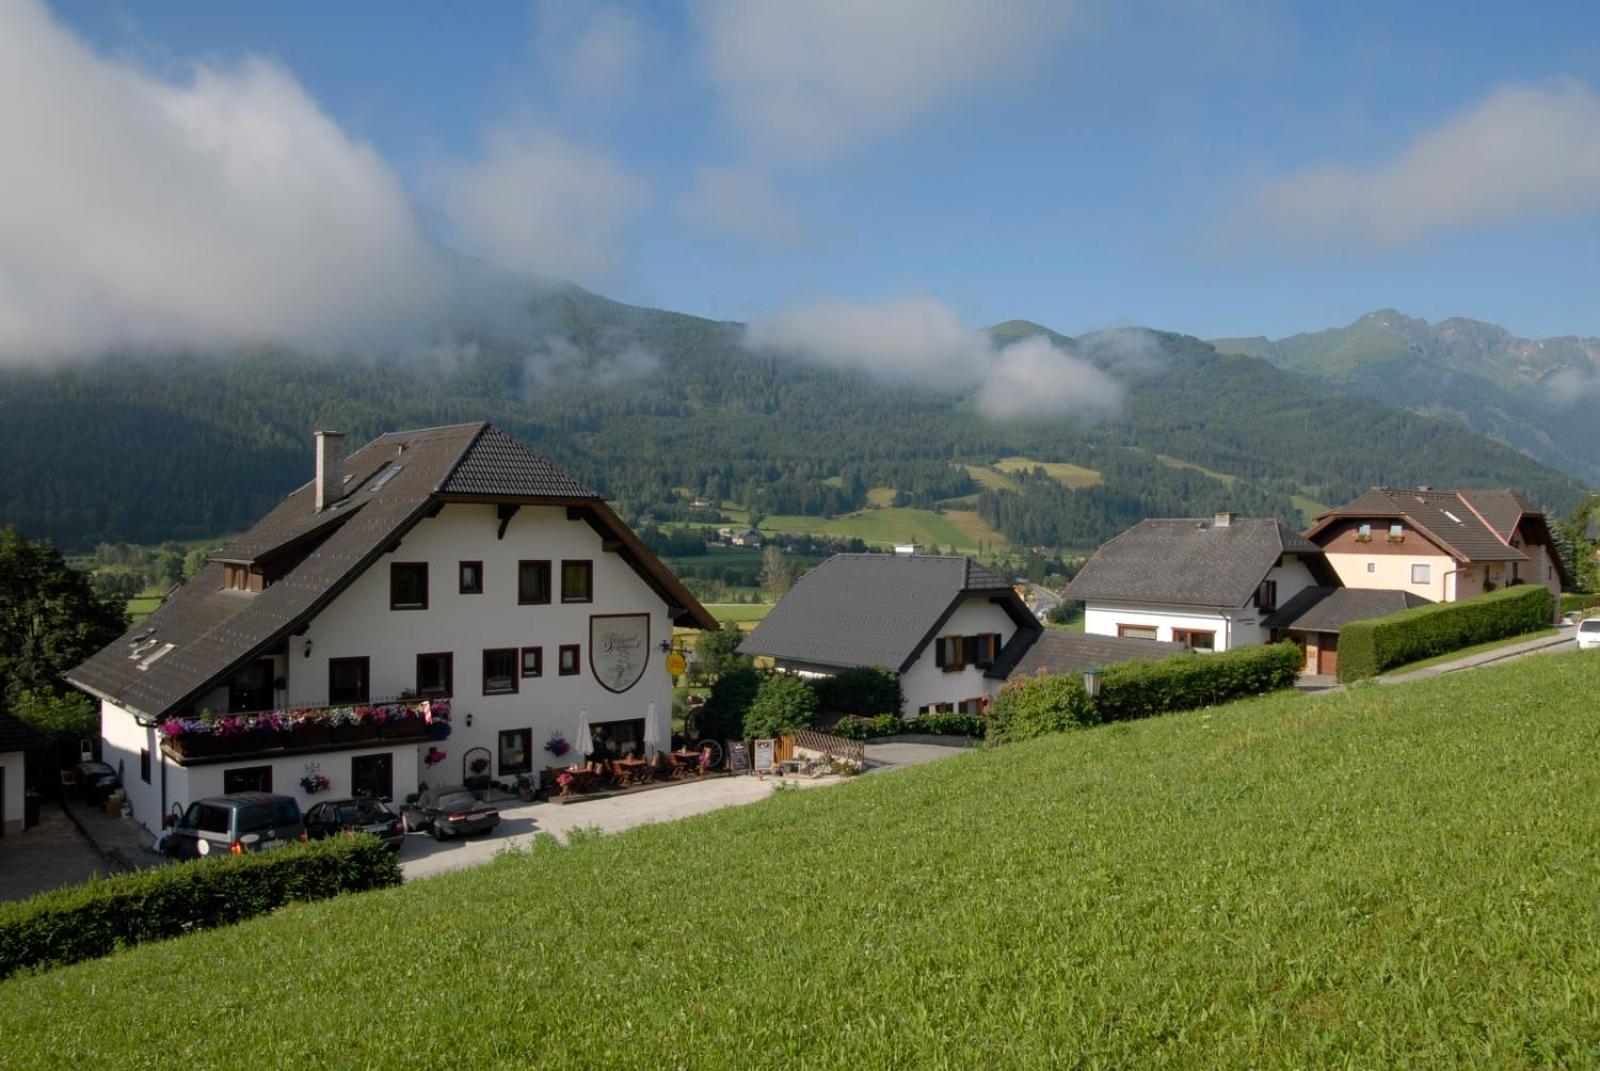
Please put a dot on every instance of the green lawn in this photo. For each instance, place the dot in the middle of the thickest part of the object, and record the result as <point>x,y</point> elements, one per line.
<point>1389,877</point>
<point>1492,645</point>
<point>739,611</point>
<point>141,607</point>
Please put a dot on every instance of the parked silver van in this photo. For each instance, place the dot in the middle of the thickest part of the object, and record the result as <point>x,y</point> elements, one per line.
<point>243,822</point>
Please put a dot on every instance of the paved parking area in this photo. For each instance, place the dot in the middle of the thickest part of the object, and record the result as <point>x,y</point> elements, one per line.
<point>422,857</point>
<point>51,854</point>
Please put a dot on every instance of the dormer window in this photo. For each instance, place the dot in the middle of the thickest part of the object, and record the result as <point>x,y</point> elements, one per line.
<point>1364,533</point>
<point>1397,532</point>
<point>238,577</point>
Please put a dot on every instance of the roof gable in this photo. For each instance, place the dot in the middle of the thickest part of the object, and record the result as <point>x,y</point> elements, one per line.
<point>874,609</point>
<point>1471,526</point>
<point>394,482</point>
<point>1188,561</point>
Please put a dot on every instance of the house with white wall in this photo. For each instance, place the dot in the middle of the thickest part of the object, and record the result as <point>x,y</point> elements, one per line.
<point>441,601</point>
<point>951,629</point>
<point>18,741</point>
<point>1203,582</point>
<point>1440,545</point>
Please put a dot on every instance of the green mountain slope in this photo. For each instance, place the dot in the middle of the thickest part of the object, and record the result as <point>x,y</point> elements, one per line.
<point>654,407</point>
<point>1534,394</point>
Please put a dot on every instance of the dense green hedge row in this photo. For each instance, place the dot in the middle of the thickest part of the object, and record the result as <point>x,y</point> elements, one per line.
<point>934,724</point>
<point>1048,703</point>
<point>98,917</point>
<point>1575,601</point>
<point>1367,648</point>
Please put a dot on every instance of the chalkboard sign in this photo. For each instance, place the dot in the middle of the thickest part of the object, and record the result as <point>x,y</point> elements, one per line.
<point>764,750</point>
<point>738,756</point>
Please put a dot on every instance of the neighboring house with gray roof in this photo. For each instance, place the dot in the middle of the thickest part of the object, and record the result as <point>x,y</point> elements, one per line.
<point>1202,582</point>
<point>951,629</point>
<point>1059,651</point>
<point>1442,545</point>
<point>444,575</point>
<point>1315,617</point>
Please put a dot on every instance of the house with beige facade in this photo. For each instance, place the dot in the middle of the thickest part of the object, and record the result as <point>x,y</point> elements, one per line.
<point>442,604</point>
<point>1440,545</point>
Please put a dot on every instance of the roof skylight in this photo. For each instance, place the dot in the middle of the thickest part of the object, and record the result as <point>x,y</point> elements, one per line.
<point>157,655</point>
<point>388,474</point>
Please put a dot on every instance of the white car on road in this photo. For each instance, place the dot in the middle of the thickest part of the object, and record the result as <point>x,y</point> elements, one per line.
<point>1589,633</point>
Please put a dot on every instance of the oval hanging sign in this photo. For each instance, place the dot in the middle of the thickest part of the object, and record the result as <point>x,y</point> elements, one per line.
<point>676,664</point>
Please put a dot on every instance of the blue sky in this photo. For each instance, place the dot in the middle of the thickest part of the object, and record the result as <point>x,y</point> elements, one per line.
<point>1204,166</point>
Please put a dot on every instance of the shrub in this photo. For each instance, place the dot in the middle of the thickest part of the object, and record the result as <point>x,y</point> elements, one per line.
<point>716,650</point>
<point>863,690</point>
<point>1191,681</point>
<point>1578,601</point>
<point>1050,703</point>
<point>721,716</point>
<point>783,704</point>
<point>1044,703</point>
<point>949,724</point>
<point>95,919</point>
<point>881,725</point>
<point>1367,648</point>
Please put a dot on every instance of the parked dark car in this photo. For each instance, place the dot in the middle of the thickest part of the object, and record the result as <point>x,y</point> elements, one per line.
<point>359,815</point>
<point>242,822</point>
<point>96,781</point>
<point>453,812</point>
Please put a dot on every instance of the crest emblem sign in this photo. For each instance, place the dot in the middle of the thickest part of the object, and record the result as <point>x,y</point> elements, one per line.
<point>619,649</point>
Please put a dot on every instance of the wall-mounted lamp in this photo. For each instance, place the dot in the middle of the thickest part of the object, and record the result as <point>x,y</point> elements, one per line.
<point>1091,680</point>
<point>664,646</point>
<point>469,720</point>
<point>306,648</point>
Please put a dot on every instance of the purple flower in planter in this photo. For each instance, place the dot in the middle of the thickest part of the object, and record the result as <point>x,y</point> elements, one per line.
<point>557,745</point>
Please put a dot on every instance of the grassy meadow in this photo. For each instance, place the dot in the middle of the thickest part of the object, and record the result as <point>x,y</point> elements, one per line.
<point>962,529</point>
<point>1395,876</point>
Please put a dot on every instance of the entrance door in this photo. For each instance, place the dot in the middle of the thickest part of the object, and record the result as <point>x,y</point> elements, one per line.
<point>372,775</point>
<point>1328,654</point>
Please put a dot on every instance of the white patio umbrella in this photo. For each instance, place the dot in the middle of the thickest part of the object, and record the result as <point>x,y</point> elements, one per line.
<point>585,735</point>
<point>652,731</point>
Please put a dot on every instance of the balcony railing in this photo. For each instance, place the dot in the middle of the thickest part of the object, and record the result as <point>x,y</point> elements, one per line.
<point>306,728</point>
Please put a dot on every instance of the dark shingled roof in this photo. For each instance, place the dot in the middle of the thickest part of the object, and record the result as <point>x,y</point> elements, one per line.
<point>878,610</point>
<point>1449,518</point>
<point>1059,651</point>
<point>393,483</point>
<point>1331,609</point>
<point>1188,561</point>
<point>18,735</point>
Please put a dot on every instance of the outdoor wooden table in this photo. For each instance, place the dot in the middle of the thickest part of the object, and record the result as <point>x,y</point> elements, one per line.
<point>631,769</point>
<point>685,763</point>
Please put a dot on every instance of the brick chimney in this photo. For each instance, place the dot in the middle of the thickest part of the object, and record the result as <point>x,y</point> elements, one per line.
<point>330,468</point>
<point>1222,520</point>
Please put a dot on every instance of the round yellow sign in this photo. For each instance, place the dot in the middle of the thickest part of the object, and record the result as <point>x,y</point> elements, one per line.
<point>676,664</point>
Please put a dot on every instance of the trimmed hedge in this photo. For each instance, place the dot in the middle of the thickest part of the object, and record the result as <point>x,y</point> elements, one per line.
<point>1578,601</point>
<point>1367,648</point>
<point>100,916</point>
<point>854,727</point>
<point>865,690</point>
<point>1049,703</point>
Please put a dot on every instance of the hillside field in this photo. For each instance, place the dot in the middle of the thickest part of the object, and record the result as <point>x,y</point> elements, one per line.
<point>962,529</point>
<point>1063,472</point>
<point>1397,876</point>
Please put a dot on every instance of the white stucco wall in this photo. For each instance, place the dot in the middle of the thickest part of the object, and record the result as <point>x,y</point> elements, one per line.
<point>359,623</point>
<point>924,683</point>
<point>14,773</point>
<point>1102,619</point>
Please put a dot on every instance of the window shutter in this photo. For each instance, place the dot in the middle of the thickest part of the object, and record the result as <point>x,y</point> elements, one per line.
<point>969,650</point>
<point>938,652</point>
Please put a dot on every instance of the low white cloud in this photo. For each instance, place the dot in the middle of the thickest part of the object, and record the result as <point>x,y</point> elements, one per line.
<point>920,340</point>
<point>537,201</point>
<point>740,202</point>
<point>1522,153</point>
<point>803,80</point>
<point>220,209</point>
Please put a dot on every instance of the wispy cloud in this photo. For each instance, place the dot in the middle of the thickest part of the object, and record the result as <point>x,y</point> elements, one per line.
<point>740,202</point>
<point>803,79</point>
<point>592,52</point>
<point>1522,153</point>
<point>920,340</point>
<point>536,200</point>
